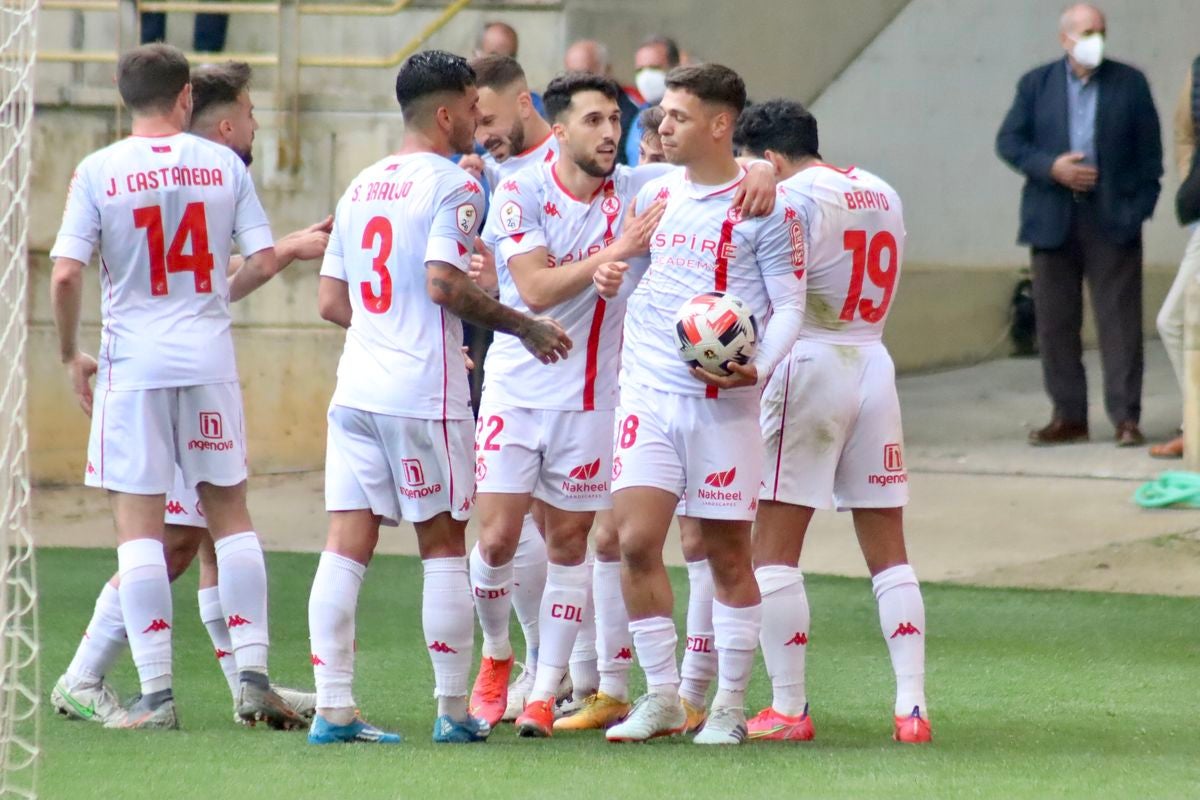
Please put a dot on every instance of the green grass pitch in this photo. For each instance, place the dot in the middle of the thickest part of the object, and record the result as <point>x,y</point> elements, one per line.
<point>1032,694</point>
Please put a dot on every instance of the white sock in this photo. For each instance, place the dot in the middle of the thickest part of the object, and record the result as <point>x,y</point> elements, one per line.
<point>563,606</point>
<point>736,633</point>
<point>700,658</point>
<point>614,642</point>
<point>654,638</point>
<point>585,674</point>
<point>902,620</point>
<point>529,581</point>
<point>146,605</point>
<point>448,620</point>
<point>492,588</point>
<point>102,642</point>
<point>331,608</point>
<point>784,636</point>
<point>213,618</point>
<point>242,581</point>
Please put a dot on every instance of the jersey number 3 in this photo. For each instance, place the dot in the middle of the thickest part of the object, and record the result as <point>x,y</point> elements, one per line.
<point>378,228</point>
<point>194,227</point>
<point>867,258</point>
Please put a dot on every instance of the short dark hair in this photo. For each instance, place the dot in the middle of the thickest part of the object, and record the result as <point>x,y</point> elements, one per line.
<point>497,72</point>
<point>151,77</point>
<point>562,91</point>
<point>216,85</point>
<point>712,83</point>
<point>427,73</point>
<point>671,46</point>
<point>650,118</point>
<point>784,126</point>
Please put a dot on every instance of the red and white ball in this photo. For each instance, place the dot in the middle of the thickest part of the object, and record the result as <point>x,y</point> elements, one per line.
<point>715,329</point>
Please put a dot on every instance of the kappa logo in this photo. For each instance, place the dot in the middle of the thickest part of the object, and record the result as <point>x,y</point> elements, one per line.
<point>906,629</point>
<point>472,188</point>
<point>663,194</point>
<point>222,653</point>
<point>800,639</point>
<point>511,186</point>
<point>616,470</point>
<point>893,458</point>
<point>157,626</point>
<point>789,214</point>
<point>174,508</point>
<point>210,425</point>
<point>585,472</point>
<point>90,469</point>
<point>466,505</point>
<point>236,621</point>
<point>611,206</point>
<point>721,479</point>
<point>441,647</point>
<point>551,210</point>
<point>753,504</point>
<point>623,655</point>
<point>316,661</point>
<point>160,148</point>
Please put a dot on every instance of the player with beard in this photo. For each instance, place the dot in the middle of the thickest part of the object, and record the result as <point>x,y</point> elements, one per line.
<point>222,112</point>
<point>400,428</point>
<point>510,129</point>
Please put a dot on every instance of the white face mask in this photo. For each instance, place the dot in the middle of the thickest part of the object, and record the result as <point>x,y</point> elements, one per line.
<point>1088,52</point>
<point>651,84</point>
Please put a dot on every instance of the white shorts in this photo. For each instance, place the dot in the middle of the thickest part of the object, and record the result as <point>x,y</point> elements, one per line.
<point>139,436</point>
<point>183,505</point>
<point>831,429</point>
<point>398,467</point>
<point>563,458</point>
<point>708,452</point>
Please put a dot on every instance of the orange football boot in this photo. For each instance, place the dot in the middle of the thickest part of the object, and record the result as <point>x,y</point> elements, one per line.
<point>913,729</point>
<point>537,720</point>
<point>489,697</point>
<point>771,726</point>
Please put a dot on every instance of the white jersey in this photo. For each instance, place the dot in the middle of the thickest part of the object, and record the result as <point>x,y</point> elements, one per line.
<point>701,245</point>
<point>403,353</point>
<point>165,212</point>
<point>531,209</point>
<point>855,227</point>
<point>544,152</point>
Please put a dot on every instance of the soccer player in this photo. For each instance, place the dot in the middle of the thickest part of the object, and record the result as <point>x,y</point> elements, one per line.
<point>164,208</point>
<point>511,130</point>
<point>831,420</point>
<point>546,433</point>
<point>400,427</point>
<point>668,445</point>
<point>222,112</point>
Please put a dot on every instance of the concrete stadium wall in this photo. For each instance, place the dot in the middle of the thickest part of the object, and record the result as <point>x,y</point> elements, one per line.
<point>911,90</point>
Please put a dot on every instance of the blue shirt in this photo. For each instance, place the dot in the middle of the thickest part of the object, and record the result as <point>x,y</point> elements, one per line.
<point>1081,114</point>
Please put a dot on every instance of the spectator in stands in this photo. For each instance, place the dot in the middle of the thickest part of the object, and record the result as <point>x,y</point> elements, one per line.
<point>1084,132</point>
<point>207,37</point>
<point>498,38</point>
<point>588,55</point>
<point>1170,317</point>
<point>656,56</point>
<point>650,149</point>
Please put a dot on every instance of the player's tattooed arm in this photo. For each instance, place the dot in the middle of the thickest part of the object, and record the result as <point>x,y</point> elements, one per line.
<point>453,290</point>
<point>66,296</point>
<point>333,301</point>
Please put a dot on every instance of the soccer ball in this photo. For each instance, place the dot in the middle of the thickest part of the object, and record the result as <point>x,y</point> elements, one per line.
<point>714,329</point>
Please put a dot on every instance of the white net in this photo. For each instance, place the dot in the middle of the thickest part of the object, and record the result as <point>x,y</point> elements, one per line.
<point>19,690</point>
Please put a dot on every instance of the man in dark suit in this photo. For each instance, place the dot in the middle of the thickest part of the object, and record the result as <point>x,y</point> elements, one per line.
<point>1085,133</point>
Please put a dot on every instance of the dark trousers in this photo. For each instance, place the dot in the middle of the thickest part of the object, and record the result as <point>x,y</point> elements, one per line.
<point>207,37</point>
<point>1114,277</point>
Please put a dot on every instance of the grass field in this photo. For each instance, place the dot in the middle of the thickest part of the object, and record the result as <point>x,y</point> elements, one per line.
<point>1033,694</point>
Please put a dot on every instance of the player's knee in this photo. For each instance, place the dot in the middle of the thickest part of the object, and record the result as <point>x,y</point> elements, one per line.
<point>638,555</point>
<point>178,560</point>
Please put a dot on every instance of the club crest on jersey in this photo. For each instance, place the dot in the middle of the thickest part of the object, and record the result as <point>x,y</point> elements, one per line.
<point>611,206</point>
<point>510,216</point>
<point>465,216</point>
<point>734,214</point>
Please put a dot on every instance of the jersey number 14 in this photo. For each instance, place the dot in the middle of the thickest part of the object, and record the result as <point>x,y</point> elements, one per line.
<point>193,227</point>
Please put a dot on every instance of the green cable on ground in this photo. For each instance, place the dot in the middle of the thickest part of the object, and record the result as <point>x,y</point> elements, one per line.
<point>1171,489</point>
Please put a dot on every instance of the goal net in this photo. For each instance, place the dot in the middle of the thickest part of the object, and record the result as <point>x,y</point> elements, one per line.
<point>19,690</point>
